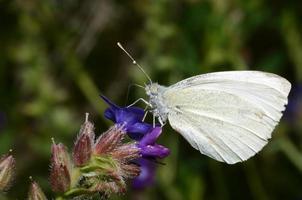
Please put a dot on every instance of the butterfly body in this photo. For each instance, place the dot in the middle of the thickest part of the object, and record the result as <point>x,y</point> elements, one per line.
<point>160,109</point>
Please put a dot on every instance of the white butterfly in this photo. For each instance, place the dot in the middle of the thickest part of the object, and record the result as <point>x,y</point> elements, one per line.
<point>228,116</point>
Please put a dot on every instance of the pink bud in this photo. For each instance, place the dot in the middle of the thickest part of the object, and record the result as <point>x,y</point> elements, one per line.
<point>59,179</point>
<point>7,172</point>
<point>130,170</point>
<point>106,187</point>
<point>126,153</point>
<point>61,167</point>
<point>83,146</point>
<point>35,192</point>
<point>109,140</point>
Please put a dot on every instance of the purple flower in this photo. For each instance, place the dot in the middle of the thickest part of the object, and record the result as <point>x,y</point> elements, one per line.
<point>150,151</point>
<point>130,118</point>
<point>148,147</point>
<point>147,174</point>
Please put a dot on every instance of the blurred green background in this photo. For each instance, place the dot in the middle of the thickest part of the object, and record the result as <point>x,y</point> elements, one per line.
<point>56,57</point>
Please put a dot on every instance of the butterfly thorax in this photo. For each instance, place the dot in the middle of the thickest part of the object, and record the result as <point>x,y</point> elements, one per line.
<point>157,101</point>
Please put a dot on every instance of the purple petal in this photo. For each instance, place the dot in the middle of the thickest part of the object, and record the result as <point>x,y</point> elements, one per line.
<point>110,103</point>
<point>150,137</point>
<point>137,111</point>
<point>124,116</point>
<point>109,114</point>
<point>138,130</point>
<point>130,118</point>
<point>147,175</point>
<point>157,151</point>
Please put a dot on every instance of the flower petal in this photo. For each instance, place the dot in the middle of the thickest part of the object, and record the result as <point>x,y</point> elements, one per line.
<point>110,103</point>
<point>129,118</point>
<point>157,151</point>
<point>147,175</point>
<point>150,137</point>
<point>138,130</point>
<point>124,116</point>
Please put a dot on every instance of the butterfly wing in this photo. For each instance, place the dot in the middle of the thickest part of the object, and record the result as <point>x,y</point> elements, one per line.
<point>228,116</point>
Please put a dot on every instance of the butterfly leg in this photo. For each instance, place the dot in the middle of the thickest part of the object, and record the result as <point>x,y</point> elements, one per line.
<point>145,115</point>
<point>161,122</point>
<point>140,99</point>
<point>153,121</point>
<point>146,108</point>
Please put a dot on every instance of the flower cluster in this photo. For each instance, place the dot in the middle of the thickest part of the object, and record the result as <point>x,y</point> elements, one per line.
<point>130,120</point>
<point>99,165</point>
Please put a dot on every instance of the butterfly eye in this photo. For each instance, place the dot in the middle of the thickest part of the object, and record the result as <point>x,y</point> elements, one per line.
<point>153,90</point>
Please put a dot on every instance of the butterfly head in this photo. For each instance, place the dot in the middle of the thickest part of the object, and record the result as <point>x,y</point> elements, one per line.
<point>152,89</point>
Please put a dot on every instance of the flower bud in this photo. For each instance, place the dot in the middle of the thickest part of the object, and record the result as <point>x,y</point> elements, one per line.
<point>35,192</point>
<point>7,172</point>
<point>83,146</point>
<point>126,153</point>
<point>109,140</point>
<point>60,168</point>
<point>130,170</point>
<point>106,188</point>
<point>113,182</point>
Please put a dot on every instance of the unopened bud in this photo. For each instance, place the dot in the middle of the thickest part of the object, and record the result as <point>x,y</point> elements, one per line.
<point>83,145</point>
<point>126,153</point>
<point>60,168</point>
<point>87,128</point>
<point>109,140</point>
<point>130,170</point>
<point>106,188</point>
<point>35,192</point>
<point>7,172</point>
<point>118,179</point>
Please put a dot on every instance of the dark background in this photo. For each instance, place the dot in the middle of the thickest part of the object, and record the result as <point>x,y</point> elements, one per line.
<point>56,57</point>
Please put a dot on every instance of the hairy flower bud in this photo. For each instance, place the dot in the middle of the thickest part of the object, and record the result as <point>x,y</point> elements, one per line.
<point>130,170</point>
<point>109,140</point>
<point>7,172</point>
<point>35,192</point>
<point>61,167</point>
<point>106,187</point>
<point>83,145</point>
<point>126,152</point>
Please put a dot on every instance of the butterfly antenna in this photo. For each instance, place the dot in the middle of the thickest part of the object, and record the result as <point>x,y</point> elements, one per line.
<point>133,61</point>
